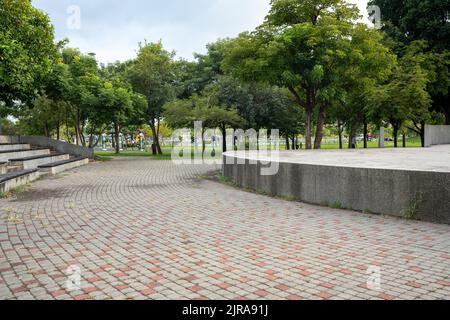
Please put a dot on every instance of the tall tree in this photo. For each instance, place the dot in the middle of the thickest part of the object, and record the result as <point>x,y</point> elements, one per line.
<point>296,48</point>
<point>405,96</point>
<point>27,52</point>
<point>406,21</point>
<point>152,74</point>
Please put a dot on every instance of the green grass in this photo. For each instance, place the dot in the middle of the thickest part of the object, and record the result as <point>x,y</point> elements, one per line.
<point>102,158</point>
<point>4,195</point>
<point>16,190</point>
<point>108,155</point>
<point>167,151</point>
<point>410,143</point>
<point>167,155</point>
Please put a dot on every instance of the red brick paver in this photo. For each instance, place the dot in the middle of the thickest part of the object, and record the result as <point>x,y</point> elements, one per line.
<point>140,229</point>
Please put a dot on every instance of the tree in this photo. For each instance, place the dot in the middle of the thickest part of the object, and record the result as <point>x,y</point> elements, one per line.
<point>152,74</point>
<point>405,96</point>
<point>27,52</point>
<point>84,83</point>
<point>411,20</point>
<point>406,21</point>
<point>367,63</point>
<point>205,108</point>
<point>297,48</point>
<point>118,103</point>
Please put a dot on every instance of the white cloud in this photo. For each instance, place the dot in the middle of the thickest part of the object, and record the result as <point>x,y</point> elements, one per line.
<point>113,28</point>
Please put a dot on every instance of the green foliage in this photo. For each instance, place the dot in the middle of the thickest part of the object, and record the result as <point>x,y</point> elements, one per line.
<point>408,21</point>
<point>311,48</point>
<point>152,74</point>
<point>411,20</point>
<point>308,65</point>
<point>27,51</point>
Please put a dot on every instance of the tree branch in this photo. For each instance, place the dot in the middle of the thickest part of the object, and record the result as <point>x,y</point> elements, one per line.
<point>299,100</point>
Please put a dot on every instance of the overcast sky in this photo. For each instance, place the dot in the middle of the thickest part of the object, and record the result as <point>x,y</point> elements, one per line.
<point>113,28</point>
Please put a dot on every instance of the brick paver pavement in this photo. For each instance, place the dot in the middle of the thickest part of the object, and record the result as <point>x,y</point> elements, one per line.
<point>141,229</point>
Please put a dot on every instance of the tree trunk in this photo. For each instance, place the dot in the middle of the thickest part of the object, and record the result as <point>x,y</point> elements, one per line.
<point>341,146</point>
<point>116,137</point>
<point>308,127</point>
<point>224,138</point>
<point>58,133</point>
<point>157,148</point>
<point>365,135</point>
<point>319,129</point>
<point>293,142</point>
<point>395,133</point>
<point>83,140</point>
<point>404,140</point>
<point>422,133</point>
<point>78,127</point>
<point>288,145</point>
<point>203,143</point>
<point>351,137</point>
<point>308,106</point>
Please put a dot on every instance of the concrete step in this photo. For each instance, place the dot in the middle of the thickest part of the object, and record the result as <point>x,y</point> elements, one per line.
<point>14,168</point>
<point>14,146</point>
<point>5,155</point>
<point>60,166</point>
<point>13,180</point>
<point>3,167</point>
<point>34,162</point>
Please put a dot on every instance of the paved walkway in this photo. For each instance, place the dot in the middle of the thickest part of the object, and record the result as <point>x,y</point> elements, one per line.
<point>140,229</point>
<point>436,158</point>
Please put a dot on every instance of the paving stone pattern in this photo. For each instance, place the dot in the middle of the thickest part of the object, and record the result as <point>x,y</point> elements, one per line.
<point>140,229</point>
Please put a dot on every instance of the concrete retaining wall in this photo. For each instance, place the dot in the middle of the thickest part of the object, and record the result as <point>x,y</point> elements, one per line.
<point>59,146</point>
<point>425,195</point>
<point>435,135</point>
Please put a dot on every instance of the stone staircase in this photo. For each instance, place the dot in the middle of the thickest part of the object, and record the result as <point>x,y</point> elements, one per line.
<point>21,163</point>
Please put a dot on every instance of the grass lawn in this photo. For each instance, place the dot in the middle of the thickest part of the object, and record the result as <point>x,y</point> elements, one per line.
<point>410,143</point>
<point>109,154</point>
<point>167,155</point>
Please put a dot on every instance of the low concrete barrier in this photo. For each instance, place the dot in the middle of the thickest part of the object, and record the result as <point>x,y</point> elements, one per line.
<point>44,142</point>
<point>423,195</point>
<point>6,156</point>
<point>435,135</point>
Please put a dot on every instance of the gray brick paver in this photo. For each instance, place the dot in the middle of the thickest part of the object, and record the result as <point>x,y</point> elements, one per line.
<point>143,229</point>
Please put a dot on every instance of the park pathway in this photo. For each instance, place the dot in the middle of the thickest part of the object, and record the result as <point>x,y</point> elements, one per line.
<point>140,229</point>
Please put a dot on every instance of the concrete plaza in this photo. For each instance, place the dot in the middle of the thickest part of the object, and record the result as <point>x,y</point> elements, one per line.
<point>140,229</point>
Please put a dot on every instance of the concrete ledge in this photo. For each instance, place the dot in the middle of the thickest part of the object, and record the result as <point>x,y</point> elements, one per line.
<point>19,146</point>
<point>55,168</point>
<point>3,167</point>
<point>9,154</point>
<point>423,194</point>
<point>33,162</point>
<point>12,180</point>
